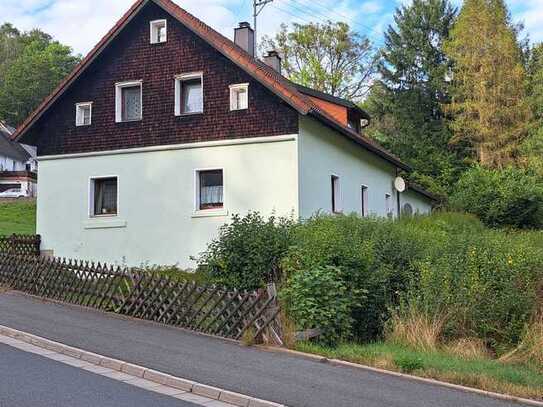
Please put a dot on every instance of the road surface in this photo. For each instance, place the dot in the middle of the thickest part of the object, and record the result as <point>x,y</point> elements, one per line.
<point>283,378</point>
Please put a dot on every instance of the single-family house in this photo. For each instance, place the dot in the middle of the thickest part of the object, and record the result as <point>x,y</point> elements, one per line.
<point>17,166</point>
<point>167,128</point>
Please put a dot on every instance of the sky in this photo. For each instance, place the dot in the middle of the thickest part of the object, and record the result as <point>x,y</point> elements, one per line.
<point>81,23</point>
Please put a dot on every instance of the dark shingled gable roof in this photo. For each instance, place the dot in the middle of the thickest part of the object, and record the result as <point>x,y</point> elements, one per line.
<point>282,87</point>
<point>10,148</point>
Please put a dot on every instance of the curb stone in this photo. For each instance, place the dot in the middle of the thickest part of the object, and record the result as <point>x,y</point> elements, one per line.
<point>154,376</point>
<point>343,363</point>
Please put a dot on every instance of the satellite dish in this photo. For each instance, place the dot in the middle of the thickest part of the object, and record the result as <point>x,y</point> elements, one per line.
<point>399,184</point>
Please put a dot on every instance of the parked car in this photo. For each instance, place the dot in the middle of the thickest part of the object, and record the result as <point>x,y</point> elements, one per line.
<point>12,193</point>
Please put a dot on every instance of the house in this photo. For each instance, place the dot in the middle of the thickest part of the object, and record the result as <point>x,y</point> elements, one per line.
<point>167,128</point>
<point>17,166</point>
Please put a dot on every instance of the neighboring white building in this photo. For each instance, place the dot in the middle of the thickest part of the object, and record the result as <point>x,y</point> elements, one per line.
<point>17,166</point>
<point>141,161</point>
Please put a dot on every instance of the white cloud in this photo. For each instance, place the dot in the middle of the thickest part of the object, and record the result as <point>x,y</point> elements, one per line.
<point>82,23</point>
<point>371,7</point>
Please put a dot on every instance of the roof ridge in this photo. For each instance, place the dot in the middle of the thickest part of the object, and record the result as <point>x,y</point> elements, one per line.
<point>271,79</point>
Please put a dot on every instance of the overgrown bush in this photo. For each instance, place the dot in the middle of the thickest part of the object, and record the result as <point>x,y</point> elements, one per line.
<point>318,298</point>
<point>351,276</point>
<point>247,251</point>
<point>508,197</point>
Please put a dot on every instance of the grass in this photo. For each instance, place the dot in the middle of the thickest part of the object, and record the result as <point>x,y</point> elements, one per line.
<point>488,374</point>
<point>17,216</point>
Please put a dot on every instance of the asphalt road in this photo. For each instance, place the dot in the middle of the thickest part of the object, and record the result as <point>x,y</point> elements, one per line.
<point>27,379</point>
<point>291,380</point>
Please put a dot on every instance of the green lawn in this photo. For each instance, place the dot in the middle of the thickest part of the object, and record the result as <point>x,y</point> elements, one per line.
<point>483,373</point>
<point>17,216</point>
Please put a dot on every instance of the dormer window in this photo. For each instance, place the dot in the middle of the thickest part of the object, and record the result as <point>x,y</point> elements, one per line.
<point>239,96</point>
<point>158,31</point>
<point>83,114</point>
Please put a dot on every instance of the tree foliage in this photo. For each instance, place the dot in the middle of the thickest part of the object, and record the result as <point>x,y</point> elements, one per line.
<point>489,106</point>
<point>31,66</point>
<point>329,57</point>
<point>406,104</point>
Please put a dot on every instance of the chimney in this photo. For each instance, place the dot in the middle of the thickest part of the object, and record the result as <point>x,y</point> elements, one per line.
<point>273,60</point>
<point>244,37</point>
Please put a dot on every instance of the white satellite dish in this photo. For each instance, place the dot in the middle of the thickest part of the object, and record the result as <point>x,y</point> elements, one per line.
<point>399,184</point>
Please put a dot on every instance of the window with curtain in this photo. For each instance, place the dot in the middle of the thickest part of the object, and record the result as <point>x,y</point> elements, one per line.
<point>105,196</point>
<point>239,96</point>
<point>211,189</point>
<point>192,100</point>
<point>131,103</point>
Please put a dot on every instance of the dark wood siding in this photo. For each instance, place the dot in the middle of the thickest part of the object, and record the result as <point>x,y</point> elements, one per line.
<point>130,56</point>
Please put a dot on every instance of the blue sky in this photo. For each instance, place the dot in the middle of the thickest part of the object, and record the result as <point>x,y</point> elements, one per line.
<point>81,23</point>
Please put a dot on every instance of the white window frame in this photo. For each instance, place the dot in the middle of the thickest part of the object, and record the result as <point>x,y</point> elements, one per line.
<point>389,210</point>
<point>364,198</point>
<point>92,179</point>
<point>184,77</point>
<point>233,89</point>
<point>208,212</point>
<point>119,86</point>
<point>335,192</point>
<point>78,113</point>
<point>153,31</point>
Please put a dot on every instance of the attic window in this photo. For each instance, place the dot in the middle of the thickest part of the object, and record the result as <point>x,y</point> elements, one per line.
<point>128,104</point>
<point>83,114</point>
<point>158,31</point>
<point>189,97</point>
<point>239,96</point>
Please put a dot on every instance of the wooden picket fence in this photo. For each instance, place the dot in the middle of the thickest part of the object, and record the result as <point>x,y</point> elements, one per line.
<point>208,309</point>
<point>20,244</point>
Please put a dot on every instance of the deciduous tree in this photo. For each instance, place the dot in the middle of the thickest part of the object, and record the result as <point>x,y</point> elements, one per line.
<point>328,57</point>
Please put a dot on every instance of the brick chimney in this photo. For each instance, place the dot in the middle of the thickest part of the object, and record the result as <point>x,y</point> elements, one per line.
<point>273,60</point>
<point>244,37</point>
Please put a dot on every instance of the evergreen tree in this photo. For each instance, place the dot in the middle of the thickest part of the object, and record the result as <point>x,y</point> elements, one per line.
<point>489,106</point>
<point>406,104</point>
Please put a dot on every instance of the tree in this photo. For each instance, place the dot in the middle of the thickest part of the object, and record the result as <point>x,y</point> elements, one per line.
<point>489,107</point>
<point>328,57</point>
<point>406,103</point>
<point>34,64</point>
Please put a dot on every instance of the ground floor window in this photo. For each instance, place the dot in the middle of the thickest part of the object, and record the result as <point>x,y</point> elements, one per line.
<point>336,205</point>
<point>210,189</point>
<point>364,200</point>
<point>104,197</point>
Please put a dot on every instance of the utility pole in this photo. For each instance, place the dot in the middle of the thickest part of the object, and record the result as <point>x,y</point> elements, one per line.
<point>258,6</point>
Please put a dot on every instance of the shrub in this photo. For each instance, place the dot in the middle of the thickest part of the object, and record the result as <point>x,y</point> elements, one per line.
<point>408,363</point>
<point>318,298</point>
<point>247,252</point>
<point>508,197</point>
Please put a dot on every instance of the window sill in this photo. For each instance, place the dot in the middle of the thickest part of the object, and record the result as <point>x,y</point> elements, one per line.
<point>104,223</point>
<point>206,213</point>
<point>189,114</point>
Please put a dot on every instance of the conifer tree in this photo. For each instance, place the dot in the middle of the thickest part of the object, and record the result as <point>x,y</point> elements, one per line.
<point>406,103</point>
<point>489,107</point>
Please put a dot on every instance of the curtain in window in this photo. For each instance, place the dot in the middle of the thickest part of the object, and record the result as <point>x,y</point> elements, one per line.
<point>192,98</point>
<point>211,189</point>
<point>131,103</point>
<point>105,196</point>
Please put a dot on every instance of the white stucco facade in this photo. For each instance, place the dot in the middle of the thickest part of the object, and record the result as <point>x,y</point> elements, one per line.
<point>323,153</point>
<point>156,221</point>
